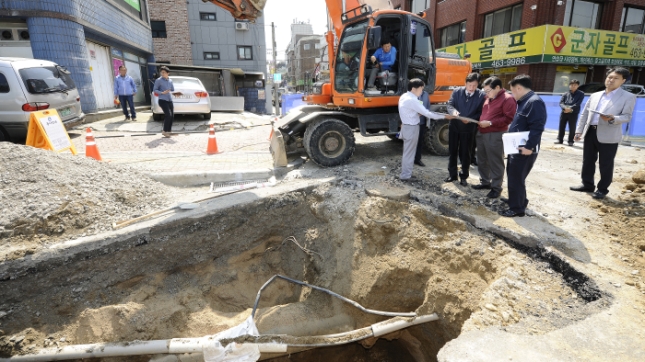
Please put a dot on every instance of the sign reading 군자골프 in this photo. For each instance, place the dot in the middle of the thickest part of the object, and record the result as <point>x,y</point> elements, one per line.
<point>554,44</point>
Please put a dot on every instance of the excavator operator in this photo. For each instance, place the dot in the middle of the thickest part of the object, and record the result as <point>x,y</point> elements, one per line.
<point>382,60</point>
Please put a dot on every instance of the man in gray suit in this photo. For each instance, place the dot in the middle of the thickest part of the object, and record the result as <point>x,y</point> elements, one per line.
<point>600,124</point>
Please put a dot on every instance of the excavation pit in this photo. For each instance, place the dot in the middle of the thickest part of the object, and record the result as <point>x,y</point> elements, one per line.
<point>197,276</point>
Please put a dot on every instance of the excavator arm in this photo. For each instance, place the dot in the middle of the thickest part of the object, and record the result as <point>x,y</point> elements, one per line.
<point>241,9</point>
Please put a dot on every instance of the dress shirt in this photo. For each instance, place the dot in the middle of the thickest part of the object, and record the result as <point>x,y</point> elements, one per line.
<point>410,107</point>
<point>161,85</point>
<point>602,104</point>
<point>124,86</point>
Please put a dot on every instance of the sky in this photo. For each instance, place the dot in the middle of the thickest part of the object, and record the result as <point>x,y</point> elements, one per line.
<point>283,13</point>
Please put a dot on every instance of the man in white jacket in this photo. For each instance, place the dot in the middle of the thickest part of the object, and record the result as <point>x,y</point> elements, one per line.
<point>601,126</point>
<point>410,109</point>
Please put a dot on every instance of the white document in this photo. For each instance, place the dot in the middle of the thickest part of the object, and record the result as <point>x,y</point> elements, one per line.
<point>513,140</point>
<point>600,113</point>
<point>56,132</point>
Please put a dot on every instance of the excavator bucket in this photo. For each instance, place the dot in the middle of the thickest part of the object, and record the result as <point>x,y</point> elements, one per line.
<point>241,9</point>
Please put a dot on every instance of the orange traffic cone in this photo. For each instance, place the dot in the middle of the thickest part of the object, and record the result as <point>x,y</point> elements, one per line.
<point>212,142</point>
<point>272,123</point>
<point>91,150</point>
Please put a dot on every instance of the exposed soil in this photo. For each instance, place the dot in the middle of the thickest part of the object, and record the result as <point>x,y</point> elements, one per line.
<point>198,277</point>
<point>48,197</point>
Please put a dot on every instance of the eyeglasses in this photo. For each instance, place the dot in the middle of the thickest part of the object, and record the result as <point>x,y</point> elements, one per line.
<point>487,90</point>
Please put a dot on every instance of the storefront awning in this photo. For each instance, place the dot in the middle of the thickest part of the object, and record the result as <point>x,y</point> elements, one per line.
<point>556,45</point>
<point>234,71</point>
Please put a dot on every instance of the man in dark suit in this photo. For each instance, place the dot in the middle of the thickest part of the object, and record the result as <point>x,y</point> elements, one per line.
<point>530,116</point>
<point>600,125</point>
<point>570,104</point>
<point>467,102</point>
<point>423,124</point>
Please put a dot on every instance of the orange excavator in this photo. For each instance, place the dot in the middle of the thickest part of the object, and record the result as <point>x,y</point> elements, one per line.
<point>325,127</point>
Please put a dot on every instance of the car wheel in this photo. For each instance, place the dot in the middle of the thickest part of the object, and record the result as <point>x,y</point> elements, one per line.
<point>329,142</point>
<point>436,138</point>
<point>158,117</point>
<point>3,135</point>
<point>207,116</point>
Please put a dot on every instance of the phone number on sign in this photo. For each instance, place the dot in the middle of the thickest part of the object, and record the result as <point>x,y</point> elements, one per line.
<point>508,62</point>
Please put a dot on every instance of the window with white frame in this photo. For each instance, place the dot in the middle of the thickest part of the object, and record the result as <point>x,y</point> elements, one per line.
<point>503,21</point>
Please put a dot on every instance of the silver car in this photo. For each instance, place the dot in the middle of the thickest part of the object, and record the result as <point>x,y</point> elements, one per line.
<point>194,99</point>
<point>28,85</point>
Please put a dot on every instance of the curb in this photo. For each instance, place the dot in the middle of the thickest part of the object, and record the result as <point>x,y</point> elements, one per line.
<point>201,178</point>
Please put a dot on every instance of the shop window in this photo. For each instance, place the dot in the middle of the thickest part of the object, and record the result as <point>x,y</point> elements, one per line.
<point>453,34</point>
<point>503,21</point>
<point>4,84</point>
<point>244,53</point>
<point>307,46</point>
<point>562,80</point>
<point>582,14</point>
<point>158,29</point>
<point>211,55</point>
<point>208,16</point>
<point>632,20</point>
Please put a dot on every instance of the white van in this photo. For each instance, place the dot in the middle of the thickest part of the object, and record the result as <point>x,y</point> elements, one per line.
<point>28,85</point>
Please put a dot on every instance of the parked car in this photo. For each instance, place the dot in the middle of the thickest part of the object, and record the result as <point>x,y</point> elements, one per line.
<point>28,85</point>
<point>597,87</point>
<point>194,99</point>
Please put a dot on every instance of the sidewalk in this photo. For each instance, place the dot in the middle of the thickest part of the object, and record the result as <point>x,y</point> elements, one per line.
<point>242,140</point>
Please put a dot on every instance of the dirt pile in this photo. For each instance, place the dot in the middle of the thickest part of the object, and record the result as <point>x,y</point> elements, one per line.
<point>47,197</point>
<point>200,276</point>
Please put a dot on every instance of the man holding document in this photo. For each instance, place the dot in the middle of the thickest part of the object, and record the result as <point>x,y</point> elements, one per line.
<point>601,125</point>
<point>529,120</point>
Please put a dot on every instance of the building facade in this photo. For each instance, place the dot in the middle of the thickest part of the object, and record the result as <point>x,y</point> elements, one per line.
<point>203,34</point>
<point>553,41</point>
<point>91,38</point>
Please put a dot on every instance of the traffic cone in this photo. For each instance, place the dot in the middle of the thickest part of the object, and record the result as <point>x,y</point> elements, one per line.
<point>272,123</point>
<point>212,142</point>
<point>91,150</point>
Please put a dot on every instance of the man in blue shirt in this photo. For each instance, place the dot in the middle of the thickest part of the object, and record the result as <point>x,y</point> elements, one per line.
<point>164,89</point>
<point>383,59</point>
<point>124,90</point>
<point>531,117</point>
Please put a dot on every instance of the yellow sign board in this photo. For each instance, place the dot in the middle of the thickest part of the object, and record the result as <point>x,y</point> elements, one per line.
<point>554,44</point>
<point>46,131</point>
<point>509,70</point>
<point>504,50</point>
<point>591,46</point>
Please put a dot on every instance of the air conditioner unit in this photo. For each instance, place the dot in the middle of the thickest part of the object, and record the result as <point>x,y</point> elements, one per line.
<point>23,34</point>
<point>240,25</point>
<point>6,34</point>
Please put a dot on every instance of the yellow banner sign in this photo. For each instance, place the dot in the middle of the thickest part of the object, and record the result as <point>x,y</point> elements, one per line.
<point>504,50</point>
<point>554,44</point>
<point>591,46</point>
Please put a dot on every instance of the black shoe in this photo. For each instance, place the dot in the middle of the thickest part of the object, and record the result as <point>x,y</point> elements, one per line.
<point>598,195</point>
<point>412,178</point>
<point>493,194</point>
<point>127,119</point>
<point>581,188</point>
<point>503,199</point>
<point>510,213</point>
<point>463,182</point>
<point>481,187</point>
<point>473,162</point>
<point>420,163</point>
<point>450,179</point>
<point>570,144</point>
<point>557,142</point>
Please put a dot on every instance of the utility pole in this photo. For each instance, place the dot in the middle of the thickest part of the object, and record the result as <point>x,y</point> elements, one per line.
<point>276,101</point>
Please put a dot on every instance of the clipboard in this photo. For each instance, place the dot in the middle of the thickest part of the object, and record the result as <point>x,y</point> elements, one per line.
<point>600,113</point>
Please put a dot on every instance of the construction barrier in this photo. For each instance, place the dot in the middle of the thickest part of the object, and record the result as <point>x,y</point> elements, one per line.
<point>290,101</point>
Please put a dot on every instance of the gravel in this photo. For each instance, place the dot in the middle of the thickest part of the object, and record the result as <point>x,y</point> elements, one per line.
<point>47,197</point>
